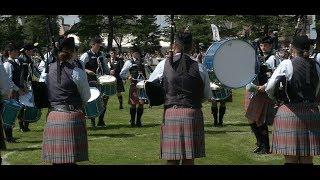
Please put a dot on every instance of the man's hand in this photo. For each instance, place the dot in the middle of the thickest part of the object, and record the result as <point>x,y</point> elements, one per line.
<point>261,88</point>
<point>112,72</point>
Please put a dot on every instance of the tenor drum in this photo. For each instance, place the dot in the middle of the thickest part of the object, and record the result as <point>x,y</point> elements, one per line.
<point>11,109</point>
<point>94,107</point>
<point>231,62</point>
<point>107,85</point>
<point>30,112</point>
<point>141,91</point>
<point>218,92</point>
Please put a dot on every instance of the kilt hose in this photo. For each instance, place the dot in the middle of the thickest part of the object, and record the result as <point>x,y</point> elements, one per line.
<point>65,138</point>
<point>296,130</point>
<point>182,134</point>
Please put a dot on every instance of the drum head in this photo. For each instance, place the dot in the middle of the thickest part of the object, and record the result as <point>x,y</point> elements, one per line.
<point>233,62</point>
<point>140,85</point>
<point>27,99</point>
<point>106,79</point>
<point>95,93</point>
<point>214,87</point>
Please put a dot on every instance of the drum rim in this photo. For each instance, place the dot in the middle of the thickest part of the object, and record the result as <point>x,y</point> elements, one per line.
<point>219,47</point>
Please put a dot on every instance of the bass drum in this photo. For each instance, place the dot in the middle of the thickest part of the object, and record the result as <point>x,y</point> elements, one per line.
<point>233,63</point>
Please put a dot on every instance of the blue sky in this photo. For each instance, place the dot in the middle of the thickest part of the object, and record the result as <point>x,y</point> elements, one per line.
<point>71,19</point>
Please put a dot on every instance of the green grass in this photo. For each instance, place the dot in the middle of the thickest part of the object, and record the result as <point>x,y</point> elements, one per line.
<point>119,144</point>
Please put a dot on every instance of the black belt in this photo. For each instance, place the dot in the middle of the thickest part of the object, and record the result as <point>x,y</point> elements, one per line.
<point>64,108</point>
<point>178,106</point>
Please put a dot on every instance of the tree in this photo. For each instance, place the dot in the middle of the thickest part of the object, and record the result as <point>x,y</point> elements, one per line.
<point>34,28</point>
<point>147,33</point>
<point>10,31</point>
<point>88,27</point>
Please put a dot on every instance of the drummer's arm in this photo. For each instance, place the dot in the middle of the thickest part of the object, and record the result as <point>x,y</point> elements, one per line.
<point>80,79</point>
<point>4,82</point>
<point>157,73</point>
<point>9,68</point>
<point>125,70</point>
<point>207,93</point>
<point>84,58</point>
<point>284,68</point>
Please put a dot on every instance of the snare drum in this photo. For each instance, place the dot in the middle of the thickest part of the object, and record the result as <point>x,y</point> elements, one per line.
<point>141,91</point>
<point>232,62</point>
<point>11,109</point>
<point>107,85</point>
<point>94,107</point>
<point>219,93</point>
<point>30,112</point>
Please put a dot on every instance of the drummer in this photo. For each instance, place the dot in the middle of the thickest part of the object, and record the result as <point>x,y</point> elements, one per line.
<point>258,106</point>
<point>135,67</point>
<point>95,63</point>
<point>25,59</point>
<point>4,93</point>
<point>115,65</point>
<point>13,70</point>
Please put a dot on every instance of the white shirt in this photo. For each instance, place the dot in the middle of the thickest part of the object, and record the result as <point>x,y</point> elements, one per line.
<point>286,68</point>
<point>79,77</point>
<point>4,80</point>
<point>47,56</point>
<point>272,62</point>
<point>158,74</point>
<point>85,58</point>
<point>9,69</point>
<point>125,69</point>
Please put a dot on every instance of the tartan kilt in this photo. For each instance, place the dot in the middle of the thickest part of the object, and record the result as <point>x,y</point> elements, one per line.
<point>182,134</point>
<point>133,94</point>
<point>296,130</point>
<point>259,109</point>
<point>65,138</point>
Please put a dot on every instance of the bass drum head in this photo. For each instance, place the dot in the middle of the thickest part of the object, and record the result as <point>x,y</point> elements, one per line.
<point>233,62</point>
<point>27,99</point>
<point>140,85</point>
<point>106,79</point>
<point>95,93</point>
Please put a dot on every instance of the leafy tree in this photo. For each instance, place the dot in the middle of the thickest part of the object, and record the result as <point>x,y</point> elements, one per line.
<point>147,33</point>
<point>10,31</point>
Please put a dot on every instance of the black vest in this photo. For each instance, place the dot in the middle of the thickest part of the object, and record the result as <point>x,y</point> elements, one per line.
<point>136,67</point>
<point>182,82</point>
<point>303,84</point>
<point>92,64</point>
<point>16,74</point>
<point>65,93</point>
<point>117,66</point>
<point>262,76</point>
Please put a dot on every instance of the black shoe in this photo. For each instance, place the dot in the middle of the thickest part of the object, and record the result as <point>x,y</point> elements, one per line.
<point>264,151</point>
<point>27,130</point>
<point>220,124</point>
<point>139,125</point>
<point>120,107</point>
<point>215,124</point>
<point>11,140</point>
<point>101,125</point>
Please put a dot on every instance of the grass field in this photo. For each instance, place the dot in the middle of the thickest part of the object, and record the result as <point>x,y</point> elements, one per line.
<point>119,144</point>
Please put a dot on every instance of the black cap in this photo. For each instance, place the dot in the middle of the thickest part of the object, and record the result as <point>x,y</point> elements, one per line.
<point>28,47</point>
<point>184,37</point>
<point>11,47</point>
<point>266,39</point>
<point>135,48</point>
<point>301,43</point>
<point>67,43</point>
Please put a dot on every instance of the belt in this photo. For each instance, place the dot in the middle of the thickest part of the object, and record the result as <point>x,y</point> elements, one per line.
<point>178,106</point>
<point>64,108</point>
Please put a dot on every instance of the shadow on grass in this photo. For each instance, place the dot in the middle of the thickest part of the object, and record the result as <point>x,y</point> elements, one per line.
<point>118,126</point>
<point>23,149</point>
<point>222,131</point>
<point>112,135</point>
<point>228,124</point>
<point>26,141</point>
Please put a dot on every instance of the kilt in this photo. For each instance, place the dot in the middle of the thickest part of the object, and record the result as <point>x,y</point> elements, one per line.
<point>259,109</point>
<point>65,138</point>
<point>296,130</point>
<point>182,134</point>
<point>120,86</point>
<point>133,94</point>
